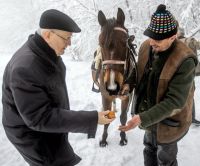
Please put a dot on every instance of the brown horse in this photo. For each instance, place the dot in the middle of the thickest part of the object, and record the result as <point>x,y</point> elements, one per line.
<point>116,63</point>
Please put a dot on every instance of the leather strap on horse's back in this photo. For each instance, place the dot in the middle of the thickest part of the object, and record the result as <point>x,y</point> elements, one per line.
<point>96,68</point>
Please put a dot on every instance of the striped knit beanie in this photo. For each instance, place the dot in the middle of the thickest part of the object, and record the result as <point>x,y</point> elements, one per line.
<point>163,24</point>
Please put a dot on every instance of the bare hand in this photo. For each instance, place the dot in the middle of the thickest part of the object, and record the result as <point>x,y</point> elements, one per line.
<point>125,89</point>
<point>102,119</point>
<point>124,92</point>
<point>135,121</point>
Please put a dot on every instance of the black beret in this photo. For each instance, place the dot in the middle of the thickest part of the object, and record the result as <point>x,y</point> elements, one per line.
<point>54,19</point>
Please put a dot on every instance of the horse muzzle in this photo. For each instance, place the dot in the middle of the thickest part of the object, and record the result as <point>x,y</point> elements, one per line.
<point>113,89</point>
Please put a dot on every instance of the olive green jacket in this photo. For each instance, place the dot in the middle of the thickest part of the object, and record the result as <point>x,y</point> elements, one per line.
<point>166,99</point>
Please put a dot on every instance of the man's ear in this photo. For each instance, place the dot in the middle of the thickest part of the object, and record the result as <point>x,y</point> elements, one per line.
<point>173,38</point>
<point>46,35</point>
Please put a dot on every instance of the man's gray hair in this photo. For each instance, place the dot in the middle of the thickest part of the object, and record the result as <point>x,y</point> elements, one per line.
<point>40,31</point>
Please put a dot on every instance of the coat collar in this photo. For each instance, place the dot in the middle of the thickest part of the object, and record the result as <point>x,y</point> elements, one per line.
<point>41,44</point>
<point>47,55</point>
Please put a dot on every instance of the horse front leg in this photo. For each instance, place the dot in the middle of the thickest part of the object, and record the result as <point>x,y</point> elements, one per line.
<point>123,119</point>
<point>106,106</point>
<point>103,142</point>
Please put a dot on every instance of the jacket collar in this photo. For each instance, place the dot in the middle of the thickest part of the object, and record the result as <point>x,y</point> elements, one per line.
<point>41,47</point>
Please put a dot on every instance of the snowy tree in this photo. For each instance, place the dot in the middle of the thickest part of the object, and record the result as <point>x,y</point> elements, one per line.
<point>16,28</point>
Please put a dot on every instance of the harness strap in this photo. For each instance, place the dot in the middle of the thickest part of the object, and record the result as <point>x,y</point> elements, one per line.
<point>120,29</point>
<point>116,62</point>
<point>98,58</point>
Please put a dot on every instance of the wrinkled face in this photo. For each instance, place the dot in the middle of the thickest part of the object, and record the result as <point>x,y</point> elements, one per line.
<point>59,41</point>
<point>161,45</point>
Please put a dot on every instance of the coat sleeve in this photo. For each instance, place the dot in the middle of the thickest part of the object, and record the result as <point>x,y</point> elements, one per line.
<point>175,97</point>
<point>37,112</point>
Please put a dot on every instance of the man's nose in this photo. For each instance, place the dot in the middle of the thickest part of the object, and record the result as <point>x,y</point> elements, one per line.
<point>68,43</point>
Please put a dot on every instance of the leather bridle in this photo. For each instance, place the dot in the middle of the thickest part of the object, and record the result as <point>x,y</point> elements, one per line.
<point>130,53</point>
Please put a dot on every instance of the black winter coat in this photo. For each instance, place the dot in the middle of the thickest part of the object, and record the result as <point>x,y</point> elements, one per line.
<point>36,111</point>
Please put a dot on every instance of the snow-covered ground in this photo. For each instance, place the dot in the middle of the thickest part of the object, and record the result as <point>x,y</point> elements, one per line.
<point>20,18</point>
<point>81,97</point>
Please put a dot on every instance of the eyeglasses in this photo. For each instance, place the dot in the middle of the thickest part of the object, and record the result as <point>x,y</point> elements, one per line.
<point>64,39</point>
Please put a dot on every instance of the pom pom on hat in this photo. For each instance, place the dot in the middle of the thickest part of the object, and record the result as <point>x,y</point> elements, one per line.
<point>163,24</point>
<point>54,19</point>
<point>161,8</point>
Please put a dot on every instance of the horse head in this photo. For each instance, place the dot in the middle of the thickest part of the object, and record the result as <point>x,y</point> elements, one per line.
<point>114,51</point>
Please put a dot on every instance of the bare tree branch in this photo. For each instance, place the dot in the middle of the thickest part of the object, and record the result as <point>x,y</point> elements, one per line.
<point>82,4</point>
<point>129,10</point>
<point>95,7</point>
<point>195,31</point>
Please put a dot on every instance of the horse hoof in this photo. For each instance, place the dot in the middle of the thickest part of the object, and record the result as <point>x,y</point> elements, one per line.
<point>123,142</point>
<point>103,143</point>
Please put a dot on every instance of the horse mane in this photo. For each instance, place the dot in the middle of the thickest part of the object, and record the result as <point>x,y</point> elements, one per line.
<point>106,35</point>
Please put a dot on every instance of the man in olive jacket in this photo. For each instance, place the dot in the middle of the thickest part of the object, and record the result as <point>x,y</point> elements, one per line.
<point>36,110</point>
<point>164,94</point>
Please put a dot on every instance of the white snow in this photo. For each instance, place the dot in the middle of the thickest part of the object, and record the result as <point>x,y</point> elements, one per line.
<point>82,98</point>
<point>20,18</point>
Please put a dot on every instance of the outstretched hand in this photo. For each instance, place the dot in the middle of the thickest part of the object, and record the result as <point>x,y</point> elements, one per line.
<point>103,119</point>
<point>134,122</point>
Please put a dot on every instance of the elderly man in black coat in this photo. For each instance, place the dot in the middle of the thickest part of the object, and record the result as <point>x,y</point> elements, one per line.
<point>36,110</point>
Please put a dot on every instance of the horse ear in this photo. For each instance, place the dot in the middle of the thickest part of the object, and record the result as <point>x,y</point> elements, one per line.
<point>101,18</point>
<point>120,17</point>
